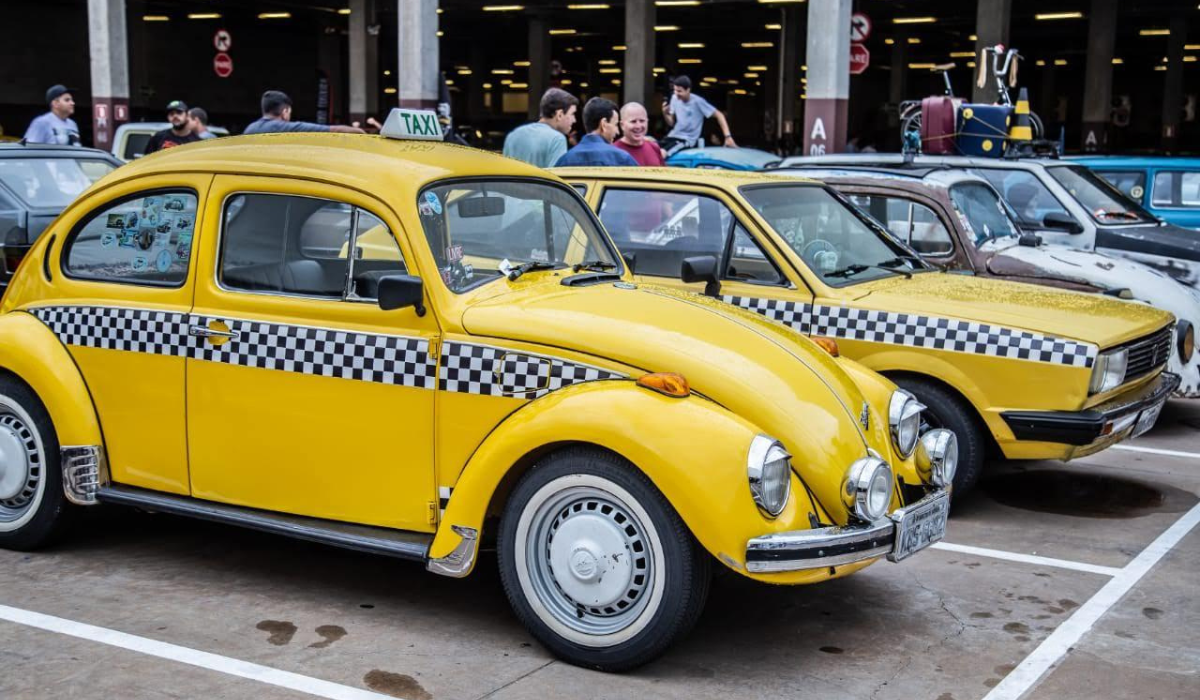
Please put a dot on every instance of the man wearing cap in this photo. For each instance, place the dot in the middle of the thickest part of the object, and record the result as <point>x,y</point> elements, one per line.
<point>55,126</point>
<point>179,133</point>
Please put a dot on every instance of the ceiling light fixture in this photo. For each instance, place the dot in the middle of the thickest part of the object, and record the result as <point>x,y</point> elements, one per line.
<point>914,20</point>
<point>1058,15</point>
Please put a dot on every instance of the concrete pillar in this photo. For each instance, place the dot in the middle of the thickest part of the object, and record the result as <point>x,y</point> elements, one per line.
<point>1173,87</point>
<point>828,58</point>
<point>638,85</point>
<point>898,81</point>
<point>420,78</point>
<point>790,74</point>
<point>1097,82</point>
<point>363,43</point>
<point>991,27</point>
<point>539,64</point>
<point>109,48</point>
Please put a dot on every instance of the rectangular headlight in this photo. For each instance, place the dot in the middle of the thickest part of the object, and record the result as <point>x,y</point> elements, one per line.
<point>1109,371</point>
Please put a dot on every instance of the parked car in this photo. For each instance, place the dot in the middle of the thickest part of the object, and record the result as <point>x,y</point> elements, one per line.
<point>1065,203</point>
<point>1168,188</point>
<point>485,368</point>
<point>36,183</point>
<point>957,221</point>
<point>723,158</point>
<point>131,138</point>
<point>1017,370</point>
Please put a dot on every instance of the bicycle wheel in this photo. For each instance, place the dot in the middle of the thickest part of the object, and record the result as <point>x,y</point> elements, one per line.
<point>1036,126</point>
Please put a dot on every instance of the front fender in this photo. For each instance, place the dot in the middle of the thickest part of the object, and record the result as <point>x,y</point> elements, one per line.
<point>693,450</point>
<point>877,390</point>
<point>31,351</point>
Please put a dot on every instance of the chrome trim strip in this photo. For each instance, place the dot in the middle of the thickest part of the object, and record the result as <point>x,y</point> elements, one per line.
<point>458,564</point>
<point>84,471</point>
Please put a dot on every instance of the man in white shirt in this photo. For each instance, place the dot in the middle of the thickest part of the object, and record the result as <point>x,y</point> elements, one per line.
<point>55,126</point>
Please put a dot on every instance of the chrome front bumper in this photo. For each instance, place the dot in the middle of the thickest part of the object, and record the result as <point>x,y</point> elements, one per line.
<point>830,546</point>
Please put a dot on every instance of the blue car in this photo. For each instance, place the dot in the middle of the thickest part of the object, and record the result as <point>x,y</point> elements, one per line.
<point>1168,187</point>
<point>722,158</point>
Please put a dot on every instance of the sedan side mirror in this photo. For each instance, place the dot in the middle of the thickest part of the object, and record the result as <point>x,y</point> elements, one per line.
<point>402,291</point>
<point>702,268</point>
<point>1061,222</point>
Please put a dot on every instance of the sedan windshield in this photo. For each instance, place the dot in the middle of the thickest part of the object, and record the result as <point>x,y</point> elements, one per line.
<point>831,238</point>
<point>985,215</point>
<point>480,231</point>
<point>1105,203</point>
<point>51,182</point>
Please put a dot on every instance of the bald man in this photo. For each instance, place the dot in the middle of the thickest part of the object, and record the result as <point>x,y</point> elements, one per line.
<point>634,122</point>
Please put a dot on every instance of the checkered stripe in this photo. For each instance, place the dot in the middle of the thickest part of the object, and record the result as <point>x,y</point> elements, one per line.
<point>115,328</point>
<point>482,369</point>
<point>924,332</point>
<point>444,500</point>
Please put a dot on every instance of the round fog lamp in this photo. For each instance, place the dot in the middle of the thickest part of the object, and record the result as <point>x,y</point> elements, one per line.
<point>937,457</point>
<point>868,489</point>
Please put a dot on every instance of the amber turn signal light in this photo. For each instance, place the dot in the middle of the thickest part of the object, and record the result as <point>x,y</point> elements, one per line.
<point>666,383</point>
<point>829,345</point>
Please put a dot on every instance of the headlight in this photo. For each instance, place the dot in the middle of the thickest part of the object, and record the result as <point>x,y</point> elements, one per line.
<point>937,457</point>
<point>904,418</point>
<point>1109,371</point>
<point>1185,336</point>
<point>769,468</point>
<point>868,489</point>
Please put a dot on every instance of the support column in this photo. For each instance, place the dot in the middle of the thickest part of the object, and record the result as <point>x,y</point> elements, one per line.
<point>539,65</point>
<point>789,74</point>
<point>828,58</point>
<point>363,42</point>
<point>418,60</point>
<point>1097,83</point>
<point>109,48</point>
<point>638,85</point>
<point>898,81</point>
<point>991,27</point>
<point>1173,87</point>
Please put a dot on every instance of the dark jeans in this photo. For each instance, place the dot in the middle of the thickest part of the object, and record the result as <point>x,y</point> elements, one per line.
<point>672,145</point>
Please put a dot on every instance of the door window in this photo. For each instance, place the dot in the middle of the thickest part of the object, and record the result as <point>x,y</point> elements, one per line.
<point>1176,188</point>
<point>146,239</point>
<point>1132,183</point>
<point>915,224</point>
<point>660,229</point>
<point>1026,194</point>
<point>985,215</point>
<point>748,262</point>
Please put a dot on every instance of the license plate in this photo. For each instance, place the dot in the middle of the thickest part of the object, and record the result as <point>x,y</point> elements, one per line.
<point>920,526</point>
<point>1147,419</point>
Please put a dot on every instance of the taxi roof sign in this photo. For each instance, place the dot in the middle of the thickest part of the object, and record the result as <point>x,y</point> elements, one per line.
<point>419,124</point>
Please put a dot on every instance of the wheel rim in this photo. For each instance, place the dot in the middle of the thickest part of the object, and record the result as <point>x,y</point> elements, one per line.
<point>587,560</point>
<point>22,472</point>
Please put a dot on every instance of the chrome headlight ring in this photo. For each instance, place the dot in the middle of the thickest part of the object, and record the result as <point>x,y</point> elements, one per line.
<point>867,491</point>
<point>937,457</point>
<point>904,421</point>
<point>769,470</point>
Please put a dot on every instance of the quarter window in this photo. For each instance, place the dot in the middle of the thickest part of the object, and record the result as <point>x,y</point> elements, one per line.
<point>144,240</point>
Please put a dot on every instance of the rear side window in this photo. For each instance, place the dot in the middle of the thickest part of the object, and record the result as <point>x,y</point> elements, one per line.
<point>144,240</point>
<point>1176,188</point>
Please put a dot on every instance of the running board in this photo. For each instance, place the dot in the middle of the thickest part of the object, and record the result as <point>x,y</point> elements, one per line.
<point>362,538</point>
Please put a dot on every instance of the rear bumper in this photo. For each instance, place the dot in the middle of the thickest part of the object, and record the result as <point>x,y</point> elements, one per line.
<point>1106,422</point>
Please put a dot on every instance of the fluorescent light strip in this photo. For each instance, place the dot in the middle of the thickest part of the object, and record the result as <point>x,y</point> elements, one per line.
<point>914,20</point>
<point>1058,15</point>
<point>275,15</point>
<point>155,18</point>
<point>205,15</point>
<point>591,6</point>
<point>503,8</point>
<point>757,44</point>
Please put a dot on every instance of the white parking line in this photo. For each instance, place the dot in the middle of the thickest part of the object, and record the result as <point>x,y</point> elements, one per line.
<point>192,657</point>
<point>1156,451</point>
<point>1027,558</point>
<point>1035,666</point>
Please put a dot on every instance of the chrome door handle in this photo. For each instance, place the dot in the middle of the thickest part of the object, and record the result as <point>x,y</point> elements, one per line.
<point>206,332</point>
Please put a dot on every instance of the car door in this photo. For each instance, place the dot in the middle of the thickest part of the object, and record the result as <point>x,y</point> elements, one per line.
<point>304,396</point>
<point>129,254</point>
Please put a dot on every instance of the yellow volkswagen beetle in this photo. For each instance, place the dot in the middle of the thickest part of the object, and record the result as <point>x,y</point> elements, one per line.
<point>1019,371</point>
<point>406,347</point>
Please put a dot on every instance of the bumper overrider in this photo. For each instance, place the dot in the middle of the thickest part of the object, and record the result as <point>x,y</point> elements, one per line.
<point>1125,416</point>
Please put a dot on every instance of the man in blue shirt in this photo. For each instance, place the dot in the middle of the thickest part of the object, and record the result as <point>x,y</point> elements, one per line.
<point>600,119</point>
<point>277,117</point>
<point>55,126</point>
<point>686,113</point>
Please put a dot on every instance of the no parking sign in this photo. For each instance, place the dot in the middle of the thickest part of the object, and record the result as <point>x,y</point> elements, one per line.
<point>222,40</point>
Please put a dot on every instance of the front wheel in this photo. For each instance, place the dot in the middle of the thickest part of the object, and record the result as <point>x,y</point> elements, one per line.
<point>946,409</point>
<point>597,564</point>
<point>33,508</point>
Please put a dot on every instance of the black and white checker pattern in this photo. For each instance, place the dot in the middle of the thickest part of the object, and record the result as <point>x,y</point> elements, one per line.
<point>922,331</point>
<point>443,500</point>
<point>116,328</point>
<point>491,371</point>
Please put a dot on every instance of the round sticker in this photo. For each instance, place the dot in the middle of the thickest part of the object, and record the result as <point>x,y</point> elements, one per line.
<point>987,144</point>
<point>434,202</point>
<point>163,263</point>
<point>1137,192</point>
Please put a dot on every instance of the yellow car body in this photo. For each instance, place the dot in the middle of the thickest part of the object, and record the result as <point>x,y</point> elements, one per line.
<point>1021,356</point>
<point>179,377</point>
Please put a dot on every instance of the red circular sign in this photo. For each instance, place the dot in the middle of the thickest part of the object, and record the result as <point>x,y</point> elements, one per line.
<point>222,65</point>
<point>860,58</point>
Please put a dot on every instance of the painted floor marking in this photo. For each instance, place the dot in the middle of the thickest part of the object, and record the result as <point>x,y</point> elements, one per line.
<point>192,657</point>
<point>1156,451</point>
<point>1048,654</point>
<point>1028,558</point>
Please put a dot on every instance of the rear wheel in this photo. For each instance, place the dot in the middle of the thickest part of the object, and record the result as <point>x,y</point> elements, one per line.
<point>33,508</point>
<point>597,564</point>
<point>946,409</point>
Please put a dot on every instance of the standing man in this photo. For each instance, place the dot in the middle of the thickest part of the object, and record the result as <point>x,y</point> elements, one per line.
<point>277,117</point>
<point>686,114</point>
<point>55,126</point>
<point>198,118</point>
<point>179,133</point>
<point>600,120</point>
<point>634,122</point>
<point>543,142</point>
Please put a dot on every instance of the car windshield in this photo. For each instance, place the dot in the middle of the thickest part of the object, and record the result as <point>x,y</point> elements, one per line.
<point>1105,203</point>
<point>984,213</point>
<point>478,230</point>
<point>51,182</point>
<point>827,233</point>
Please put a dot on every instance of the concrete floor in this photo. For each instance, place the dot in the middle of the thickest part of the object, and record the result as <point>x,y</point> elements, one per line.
<point>942,626</point>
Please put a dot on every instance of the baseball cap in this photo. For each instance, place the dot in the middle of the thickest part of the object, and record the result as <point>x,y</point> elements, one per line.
<point>56,91</point>
<point>177,106</point>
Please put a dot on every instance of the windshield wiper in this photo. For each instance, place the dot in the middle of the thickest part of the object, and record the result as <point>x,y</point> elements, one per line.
<point>512,272</point>
<point>851,270</point>
<point>598,265</point>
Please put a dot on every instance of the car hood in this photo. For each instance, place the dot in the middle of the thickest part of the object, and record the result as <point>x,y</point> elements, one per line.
<point>1166,240</point>
<point>1090,318</point>
<point>761,371</point>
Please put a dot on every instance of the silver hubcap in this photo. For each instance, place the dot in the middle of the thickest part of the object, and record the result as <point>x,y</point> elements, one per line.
<point>20,466</point>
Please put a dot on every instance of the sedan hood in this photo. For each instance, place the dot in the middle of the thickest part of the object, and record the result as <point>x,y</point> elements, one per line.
<point>1166,240</point>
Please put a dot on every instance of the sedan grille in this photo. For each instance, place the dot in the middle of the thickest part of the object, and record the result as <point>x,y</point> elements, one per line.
<point>1149,353</point>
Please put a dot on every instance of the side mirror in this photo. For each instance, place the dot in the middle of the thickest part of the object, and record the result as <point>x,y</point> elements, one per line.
<point>702,268</point>
<point>402,291</point>
<point>630,262</point>
<point>1061,222</point>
